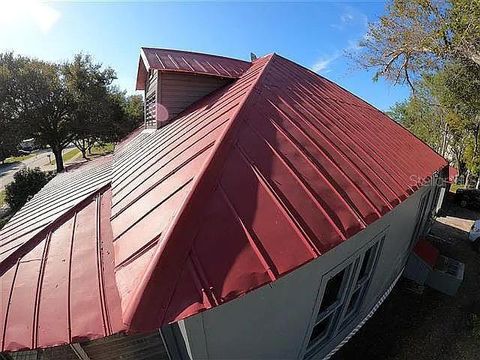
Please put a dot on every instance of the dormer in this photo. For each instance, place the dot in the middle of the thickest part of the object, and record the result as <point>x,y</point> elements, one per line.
<point>172,80</point>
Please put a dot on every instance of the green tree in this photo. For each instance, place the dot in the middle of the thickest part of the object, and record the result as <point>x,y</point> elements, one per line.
<point>39,102</point>
<point>132,114</point>
<point>27,182</point>
<point>419,36</point>
<point>89,85</point>
<point>10,126</point>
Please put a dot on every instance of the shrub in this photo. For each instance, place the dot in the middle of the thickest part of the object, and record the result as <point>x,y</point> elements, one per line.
<point>26,183</point>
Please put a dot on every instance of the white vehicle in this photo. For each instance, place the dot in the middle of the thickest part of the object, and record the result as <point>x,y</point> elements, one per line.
<point>474,234</point>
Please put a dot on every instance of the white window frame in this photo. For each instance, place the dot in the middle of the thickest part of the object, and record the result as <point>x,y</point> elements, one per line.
<point>339,312</point>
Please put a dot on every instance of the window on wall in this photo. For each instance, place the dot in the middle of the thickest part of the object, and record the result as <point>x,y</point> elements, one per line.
<point>421,216</point>
<point>342,293</point>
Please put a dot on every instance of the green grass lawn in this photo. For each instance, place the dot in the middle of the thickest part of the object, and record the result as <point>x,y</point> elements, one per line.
<point>69,155</point>
<point>14,159</point>
<point>454,187</point>
<point>97,150</point>
<point>102,149</point>
<point>2,198</point>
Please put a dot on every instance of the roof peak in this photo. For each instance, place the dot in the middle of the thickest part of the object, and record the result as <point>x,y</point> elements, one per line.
<point>193,52</point>
<point>180,61</point>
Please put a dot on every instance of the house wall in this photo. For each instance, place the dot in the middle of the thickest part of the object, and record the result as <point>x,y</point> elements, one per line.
<point>275,321</point>
<point>151,99</point>
<point>176,91</point>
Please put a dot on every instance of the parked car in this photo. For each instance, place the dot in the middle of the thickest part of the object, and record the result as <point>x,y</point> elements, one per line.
<point>474,235</point>
<point>468,198</point>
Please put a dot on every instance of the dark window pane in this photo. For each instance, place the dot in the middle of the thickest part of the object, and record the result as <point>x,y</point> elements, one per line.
<point>353,301</point>
<point>366,259</point>
<point>319,330</point>
<point>332,290</point>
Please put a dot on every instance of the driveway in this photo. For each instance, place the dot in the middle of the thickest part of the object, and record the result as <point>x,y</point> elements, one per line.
<point>41,160</point>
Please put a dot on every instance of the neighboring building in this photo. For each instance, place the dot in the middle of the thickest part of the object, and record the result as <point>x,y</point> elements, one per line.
<point>264,212</point>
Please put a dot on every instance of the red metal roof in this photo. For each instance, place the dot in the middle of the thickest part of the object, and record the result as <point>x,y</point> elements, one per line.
<point>58,196</point>
<point>186,61</point>
<point>301,164</point>
<point>251,182</point>
<point>60,288</point>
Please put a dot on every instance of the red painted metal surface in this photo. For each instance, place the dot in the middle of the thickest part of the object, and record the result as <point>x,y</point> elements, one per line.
<point>452,174</point>
<point>248,184</point>
<point>300,166</point>
<point>60,287</point>
<point>187,62</point>
<point>58,196</point>
<point>429,253</point>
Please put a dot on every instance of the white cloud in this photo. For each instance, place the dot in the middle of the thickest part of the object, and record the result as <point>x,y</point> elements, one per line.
<point>18,12</point>
<point>350,17</point>
<point>322,65</point>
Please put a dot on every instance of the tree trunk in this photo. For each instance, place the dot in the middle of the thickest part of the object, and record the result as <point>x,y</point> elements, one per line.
<point>477,185</point>
<point>58,159</point>
<point>444,141</point>
<point>467,178</point>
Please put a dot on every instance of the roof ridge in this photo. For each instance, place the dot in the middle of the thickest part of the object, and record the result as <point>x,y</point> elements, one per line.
<point>202,182</point>
<point>195,53</point>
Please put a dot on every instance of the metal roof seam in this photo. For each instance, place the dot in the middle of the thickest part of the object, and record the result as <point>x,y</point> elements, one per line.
<point>132,225</point>
<point>192,53</point>
<point>39,291</point>
<point>353,148</point>
<point>9,302</point>
<point>162,179</point>
<point>363,103</point>
<point>26,246</point>
<point>257,246</point>
<point>133,306</point>
<point>285,208</point>
<point>337,189</point>
<point>69,292</point>
<point>188,64</point>
<point>176,61</point>
<point>135,255</point>
<point>359,173</point>
<point>335,133</point>
<point>203,278</point>
<point>180,126</point>
<point>163,152</point>
<point>368,150</point>
<point>100,279</point>
<point>351,207</point>
<point>328,156</point>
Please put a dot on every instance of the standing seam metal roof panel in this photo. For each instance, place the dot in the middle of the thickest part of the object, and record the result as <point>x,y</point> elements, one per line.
<point>62,289</point>
<point>301,167</point>
<point>248,184</point>
<point>150,185</point>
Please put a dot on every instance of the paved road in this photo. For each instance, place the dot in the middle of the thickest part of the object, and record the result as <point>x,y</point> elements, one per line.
<point>41,160</point>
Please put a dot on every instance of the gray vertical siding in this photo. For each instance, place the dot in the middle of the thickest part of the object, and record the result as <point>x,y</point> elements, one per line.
<point>275,321</point>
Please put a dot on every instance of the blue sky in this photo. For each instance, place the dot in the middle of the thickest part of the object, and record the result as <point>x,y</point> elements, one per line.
<point>314,34</point>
